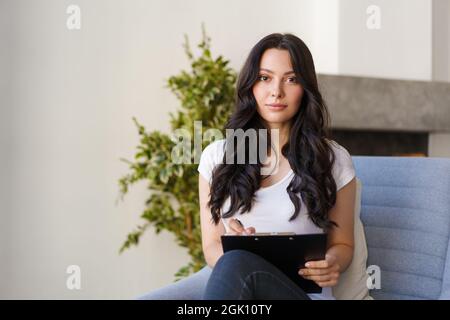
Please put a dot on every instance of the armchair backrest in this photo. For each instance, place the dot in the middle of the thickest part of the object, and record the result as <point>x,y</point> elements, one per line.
<point>405,209</point>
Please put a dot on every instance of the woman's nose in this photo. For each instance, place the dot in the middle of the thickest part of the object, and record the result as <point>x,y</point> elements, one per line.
<point>276,89</point>
<point>276,92</point>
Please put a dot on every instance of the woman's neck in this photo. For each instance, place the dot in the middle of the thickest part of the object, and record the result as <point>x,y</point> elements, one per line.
<point>283,135</point>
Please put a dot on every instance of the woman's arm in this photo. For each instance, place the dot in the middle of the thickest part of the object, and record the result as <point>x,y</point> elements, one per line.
<point>340,241</point>
<point>211,242</point>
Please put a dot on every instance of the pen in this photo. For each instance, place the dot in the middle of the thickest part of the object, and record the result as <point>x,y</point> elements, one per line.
<point>242,225</point>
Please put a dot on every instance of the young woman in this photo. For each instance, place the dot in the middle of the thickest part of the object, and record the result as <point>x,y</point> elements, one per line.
<point>313,190</point>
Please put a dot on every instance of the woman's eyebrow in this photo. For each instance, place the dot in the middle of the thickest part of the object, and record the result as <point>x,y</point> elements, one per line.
<point>270,71</point>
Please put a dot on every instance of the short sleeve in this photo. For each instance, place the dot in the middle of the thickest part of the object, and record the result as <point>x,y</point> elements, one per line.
<point>343,170</point>
<point>211,156</point>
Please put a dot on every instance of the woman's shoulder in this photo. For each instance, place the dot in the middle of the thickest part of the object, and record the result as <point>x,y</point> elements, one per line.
<point>214,151</point>
<point>342,157</point>
<point>210,157</point>
<point>215,146</point>
<point>338,150</point>
<point>343,169</point>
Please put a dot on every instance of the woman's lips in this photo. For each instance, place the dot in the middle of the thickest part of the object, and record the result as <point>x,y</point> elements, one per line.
<point>276,106</point>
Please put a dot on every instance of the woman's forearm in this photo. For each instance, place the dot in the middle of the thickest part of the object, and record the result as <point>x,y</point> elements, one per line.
<point>343,254</point>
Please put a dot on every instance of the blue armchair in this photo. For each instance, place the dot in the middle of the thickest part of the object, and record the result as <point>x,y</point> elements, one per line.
<point>405,209</point>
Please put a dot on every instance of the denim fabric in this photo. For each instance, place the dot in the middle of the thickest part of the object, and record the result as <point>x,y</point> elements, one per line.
<point>242,275</point>
<point>189,288</point>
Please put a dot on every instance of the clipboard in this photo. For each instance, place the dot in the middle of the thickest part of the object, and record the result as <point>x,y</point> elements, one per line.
<point>287,251</point>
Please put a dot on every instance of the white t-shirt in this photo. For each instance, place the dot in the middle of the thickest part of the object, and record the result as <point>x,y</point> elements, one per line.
<point>273,207</point>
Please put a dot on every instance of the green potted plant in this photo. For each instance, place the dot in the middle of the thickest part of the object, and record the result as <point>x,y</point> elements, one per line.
<point>206,94</point>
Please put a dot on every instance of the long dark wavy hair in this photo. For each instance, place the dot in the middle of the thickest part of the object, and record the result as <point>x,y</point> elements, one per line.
<point>307,150</point>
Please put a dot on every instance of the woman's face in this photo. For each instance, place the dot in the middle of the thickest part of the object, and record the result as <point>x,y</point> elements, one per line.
<point>277,84</point>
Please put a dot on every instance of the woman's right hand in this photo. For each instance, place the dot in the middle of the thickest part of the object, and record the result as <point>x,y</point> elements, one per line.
<point>236,228</point>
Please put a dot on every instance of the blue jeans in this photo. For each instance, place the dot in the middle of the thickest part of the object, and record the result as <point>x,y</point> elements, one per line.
<point>242,275</point>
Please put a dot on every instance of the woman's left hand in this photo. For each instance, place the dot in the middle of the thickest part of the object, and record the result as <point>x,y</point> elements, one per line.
<point>323,272</point>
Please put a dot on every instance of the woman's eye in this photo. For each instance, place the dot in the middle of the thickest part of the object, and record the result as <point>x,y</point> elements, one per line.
<point>293,79</point>
<point>290,79</point>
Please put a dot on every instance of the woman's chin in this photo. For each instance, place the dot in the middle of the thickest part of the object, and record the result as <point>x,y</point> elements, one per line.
<point>276,119</point>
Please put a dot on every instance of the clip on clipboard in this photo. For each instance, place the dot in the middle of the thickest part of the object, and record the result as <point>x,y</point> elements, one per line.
<point>287,251</point>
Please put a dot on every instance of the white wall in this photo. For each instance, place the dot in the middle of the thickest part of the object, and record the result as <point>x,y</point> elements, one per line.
<point>5,146</point>
<point>441,40</point>
<point>411,42</point>
<point>400,49</point>
<point>74,93</point>
<point>325,30</point>
<point>439,145</point>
